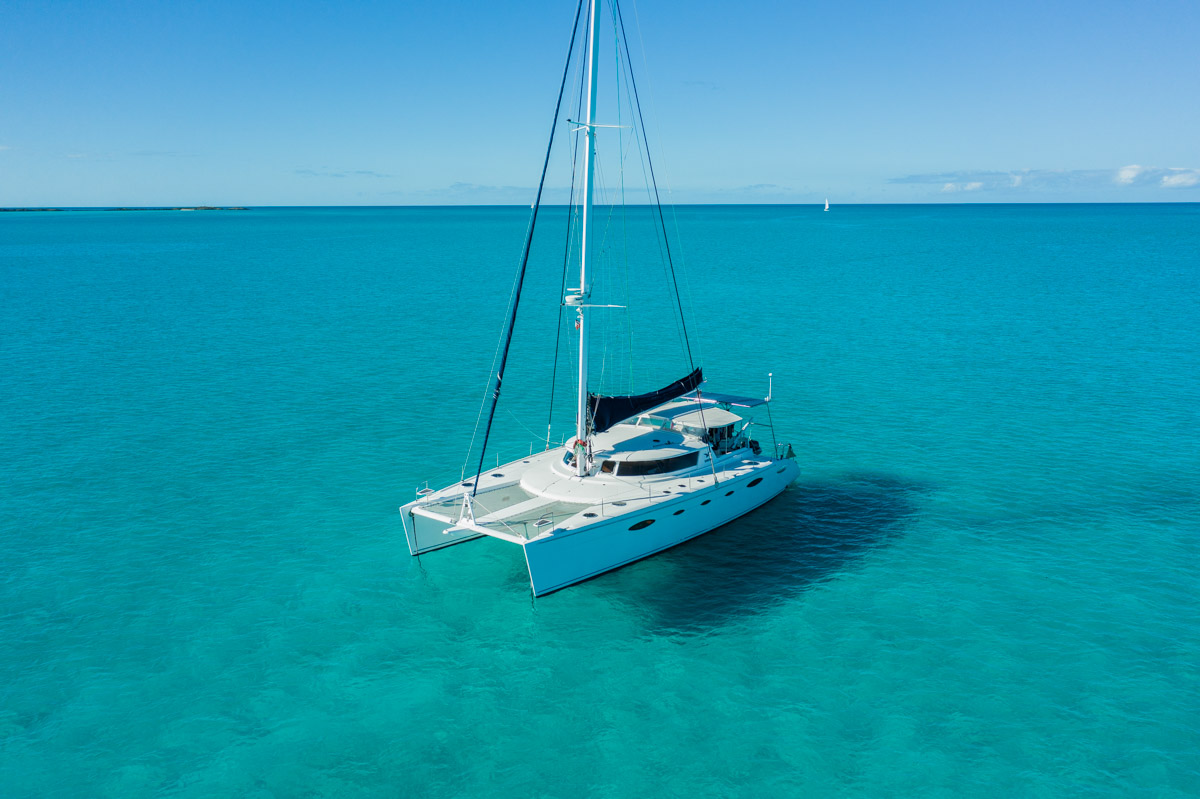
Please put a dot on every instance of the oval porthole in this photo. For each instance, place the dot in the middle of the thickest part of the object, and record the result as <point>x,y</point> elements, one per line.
<point>666,491</point>
<point>590,515</point>
<point>705,502</point>
<point>643,524</point>
<point>498,474</point>
<point>619,503</point>
<point>467,485</point>
<point>678,512</point>
<point>729,493</point>
<point>681,485</point>
<point>754,482</point>
<point>779,471</point>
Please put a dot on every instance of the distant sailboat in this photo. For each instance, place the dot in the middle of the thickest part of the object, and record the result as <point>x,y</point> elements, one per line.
<point>826,203</point>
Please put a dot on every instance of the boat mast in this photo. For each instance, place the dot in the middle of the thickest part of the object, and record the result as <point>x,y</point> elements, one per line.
<point>585,247</point>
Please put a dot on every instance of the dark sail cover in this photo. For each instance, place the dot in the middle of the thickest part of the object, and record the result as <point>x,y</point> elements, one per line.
<point>607,411</point>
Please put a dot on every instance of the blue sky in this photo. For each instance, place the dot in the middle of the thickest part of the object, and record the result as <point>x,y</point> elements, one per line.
<point>303,103</point>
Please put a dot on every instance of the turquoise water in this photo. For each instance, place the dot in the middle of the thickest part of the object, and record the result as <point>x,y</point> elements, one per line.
<point>984,582</point>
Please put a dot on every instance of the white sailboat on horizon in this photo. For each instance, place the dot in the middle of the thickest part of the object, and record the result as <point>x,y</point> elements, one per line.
<point>643,473</point>
<point>826,203</point>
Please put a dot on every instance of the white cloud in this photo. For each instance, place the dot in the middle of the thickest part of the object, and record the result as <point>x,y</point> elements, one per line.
<point>4,147</point>
<point>1019,182</point>
<point>764,187</point>
<point>1128,174</point>
<point>1180,178</point>
<point>348,173</point>
<point>475,194</point>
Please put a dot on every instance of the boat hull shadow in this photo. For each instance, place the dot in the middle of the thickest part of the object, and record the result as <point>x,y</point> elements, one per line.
<point>814,532</point>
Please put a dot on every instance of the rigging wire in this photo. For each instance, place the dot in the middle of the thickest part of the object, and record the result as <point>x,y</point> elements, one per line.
<point>516,299</point>
<point>622,154</point>
<point>667,178</point>
<point>567,243</point>
<point>495,357</point>
<point>643,147</point>
<point>599,256</point>
<point>657,201</point>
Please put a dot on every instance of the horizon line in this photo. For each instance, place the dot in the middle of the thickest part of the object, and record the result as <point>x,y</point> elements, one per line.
<point>819,203</point>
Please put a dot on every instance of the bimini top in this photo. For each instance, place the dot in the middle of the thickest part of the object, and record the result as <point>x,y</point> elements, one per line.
<point>726,399</point>
<point>713,417</point>
<point>686,411</point>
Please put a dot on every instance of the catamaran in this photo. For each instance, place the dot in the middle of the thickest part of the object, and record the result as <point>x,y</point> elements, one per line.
<point>643,472</point>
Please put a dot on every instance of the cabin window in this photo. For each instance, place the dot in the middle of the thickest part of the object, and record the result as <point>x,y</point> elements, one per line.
<point>705,502</point>
<point>643,524</point>
<point>678,512</point>
<point>608,467</point>
<point>663,466</point>
<point>754,482</point>
<point>729,493</point>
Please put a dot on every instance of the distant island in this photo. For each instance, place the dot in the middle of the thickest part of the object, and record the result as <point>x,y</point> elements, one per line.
<point>181,208</point>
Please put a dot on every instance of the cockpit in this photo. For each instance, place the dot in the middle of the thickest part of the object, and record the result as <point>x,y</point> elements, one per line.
<point>720,429</point>
<point>665,441</point>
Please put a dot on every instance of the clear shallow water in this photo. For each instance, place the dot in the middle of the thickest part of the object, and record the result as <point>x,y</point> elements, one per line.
<point>984,582</point>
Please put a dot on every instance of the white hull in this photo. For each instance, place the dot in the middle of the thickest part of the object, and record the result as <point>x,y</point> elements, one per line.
<point>571,556</point>
<point>426,534</point>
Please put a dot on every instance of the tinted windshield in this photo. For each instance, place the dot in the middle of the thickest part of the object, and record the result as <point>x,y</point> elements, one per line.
<point>635,468</point>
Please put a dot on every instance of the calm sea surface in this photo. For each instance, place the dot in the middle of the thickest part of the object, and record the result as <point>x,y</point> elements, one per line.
<point>986,581</point>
